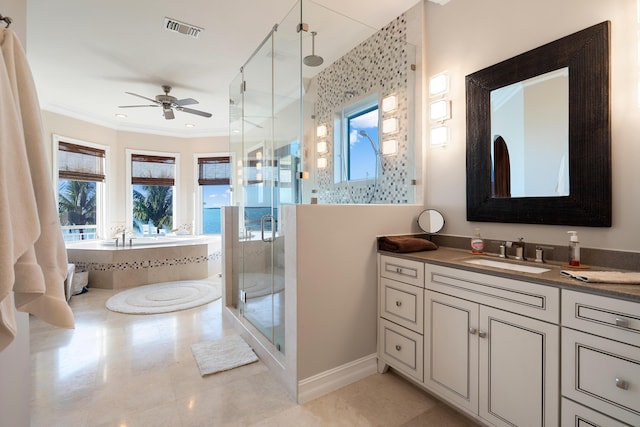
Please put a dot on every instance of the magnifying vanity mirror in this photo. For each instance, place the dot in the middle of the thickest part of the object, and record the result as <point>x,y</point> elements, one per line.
<point>538,135</point>
<point>430,221</point>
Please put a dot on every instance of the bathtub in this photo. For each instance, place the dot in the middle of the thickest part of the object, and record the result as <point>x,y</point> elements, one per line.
<point>154,240</point>
<point>148,260</point>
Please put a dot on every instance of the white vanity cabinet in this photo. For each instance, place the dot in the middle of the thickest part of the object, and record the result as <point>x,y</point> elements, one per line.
<point>600,360</point>
<point>482,356</point>
<point>401,316</point>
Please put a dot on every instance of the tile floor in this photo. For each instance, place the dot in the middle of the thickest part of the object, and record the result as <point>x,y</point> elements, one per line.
<point>128,371</point>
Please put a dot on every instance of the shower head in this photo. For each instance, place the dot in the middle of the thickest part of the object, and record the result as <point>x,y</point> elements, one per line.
<point>373,145</point>
<point>313,60</point>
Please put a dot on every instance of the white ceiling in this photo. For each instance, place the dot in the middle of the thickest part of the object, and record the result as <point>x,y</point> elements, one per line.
<point>84,55</point>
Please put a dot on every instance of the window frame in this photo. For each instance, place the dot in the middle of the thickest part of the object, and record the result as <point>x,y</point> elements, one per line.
<point>361,106</point>
<point>102,188</point>
<point>129,153</point>
<point>198,217</point>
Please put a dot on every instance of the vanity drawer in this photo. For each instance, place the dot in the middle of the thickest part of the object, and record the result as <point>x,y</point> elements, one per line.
<point>401,349</point>
<point>520,297</point>
<point>602,374</point>
<point>402,304</point>
<point>608,317</point>
<point>402,270</point>
<point>575,415</point>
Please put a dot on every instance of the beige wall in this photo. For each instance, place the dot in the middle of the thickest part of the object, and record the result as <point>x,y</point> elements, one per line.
<point>465,36</point>
<point>336,275</point>
<point>119,142</point>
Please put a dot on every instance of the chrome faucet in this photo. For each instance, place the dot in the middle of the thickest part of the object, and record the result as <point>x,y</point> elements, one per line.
<point>520,249</point>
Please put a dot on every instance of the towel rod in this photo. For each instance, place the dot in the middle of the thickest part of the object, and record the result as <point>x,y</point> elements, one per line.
<point>6,20</point>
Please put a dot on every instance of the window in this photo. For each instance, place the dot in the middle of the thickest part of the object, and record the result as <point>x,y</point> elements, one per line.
<point>362,129</point>
<point>152,192</point>
<point>214,180</point>
<point>356,142</point>
<point>81,180</point>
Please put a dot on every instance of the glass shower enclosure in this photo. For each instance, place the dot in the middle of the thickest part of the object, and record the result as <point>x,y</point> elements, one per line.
<point>265,142</point>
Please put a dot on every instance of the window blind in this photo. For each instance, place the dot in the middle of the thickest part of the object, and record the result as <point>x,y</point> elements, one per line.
<point>214,170</point>
<point>80,163</point>
<point>152,170</point>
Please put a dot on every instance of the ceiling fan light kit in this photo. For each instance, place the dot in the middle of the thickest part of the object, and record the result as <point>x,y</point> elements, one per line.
<point>169,104</point>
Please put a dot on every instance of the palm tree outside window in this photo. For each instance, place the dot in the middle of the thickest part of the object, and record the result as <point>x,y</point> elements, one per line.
<point>80,179</point>
<point>153,182</point>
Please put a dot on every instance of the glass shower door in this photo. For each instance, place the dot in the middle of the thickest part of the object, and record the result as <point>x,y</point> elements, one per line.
<point>258,207</point>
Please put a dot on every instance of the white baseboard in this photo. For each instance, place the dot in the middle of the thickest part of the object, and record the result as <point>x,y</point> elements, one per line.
<point>328,381</point>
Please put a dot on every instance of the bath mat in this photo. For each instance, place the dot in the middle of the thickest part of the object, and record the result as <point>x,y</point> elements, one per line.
<point>165,297</point>
<point>223,354</point>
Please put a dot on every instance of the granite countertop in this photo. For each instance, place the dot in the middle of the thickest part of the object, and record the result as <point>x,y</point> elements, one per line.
<point>449,257</point>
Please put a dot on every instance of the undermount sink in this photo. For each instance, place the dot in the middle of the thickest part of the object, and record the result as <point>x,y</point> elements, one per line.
<point>507,265</point>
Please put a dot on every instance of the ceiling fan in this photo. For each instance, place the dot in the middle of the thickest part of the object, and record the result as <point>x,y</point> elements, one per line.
<point>168,104</point>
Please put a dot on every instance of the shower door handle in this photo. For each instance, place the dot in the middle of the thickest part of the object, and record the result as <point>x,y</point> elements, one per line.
<point>263,219</point>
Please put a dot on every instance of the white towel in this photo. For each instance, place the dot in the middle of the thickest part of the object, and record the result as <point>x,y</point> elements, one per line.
<point>614,277</point>
<point>33,259</point>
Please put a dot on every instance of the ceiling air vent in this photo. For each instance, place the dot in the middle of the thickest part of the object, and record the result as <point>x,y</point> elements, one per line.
<point>176,26</point>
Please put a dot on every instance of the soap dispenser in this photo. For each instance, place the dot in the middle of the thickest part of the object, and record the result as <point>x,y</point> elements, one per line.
<point>477,244</point>
<point>574,249</point>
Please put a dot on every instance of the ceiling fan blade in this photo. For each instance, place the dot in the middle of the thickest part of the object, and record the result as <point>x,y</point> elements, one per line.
<point>143,97</point>
<point>168,114</point>
<point>186,101</point>
<point>134,106</point>
<point>197,112</point>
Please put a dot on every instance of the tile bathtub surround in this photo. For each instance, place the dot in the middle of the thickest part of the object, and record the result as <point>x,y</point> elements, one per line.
<point>126,370</point>
<point>123,268</point>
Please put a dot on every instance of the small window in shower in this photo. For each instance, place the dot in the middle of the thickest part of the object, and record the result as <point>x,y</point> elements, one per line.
<point>362,134</point>
<point>356,141</point>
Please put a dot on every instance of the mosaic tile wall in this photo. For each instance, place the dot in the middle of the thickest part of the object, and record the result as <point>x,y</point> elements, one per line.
<point>381,64</point>
<point>152,263</point>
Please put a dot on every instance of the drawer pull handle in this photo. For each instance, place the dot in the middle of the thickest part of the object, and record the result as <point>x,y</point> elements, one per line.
<point>623,323</point>
<point>622,384</point>
<point>473,331</point>
<point>398,303</point>
<point>398,347</point>
<point>482,334</point>
<point>398,270</point>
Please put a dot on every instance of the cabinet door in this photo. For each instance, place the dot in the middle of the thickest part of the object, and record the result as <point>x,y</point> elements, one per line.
<point>451,349</point>
<point>519,361</point>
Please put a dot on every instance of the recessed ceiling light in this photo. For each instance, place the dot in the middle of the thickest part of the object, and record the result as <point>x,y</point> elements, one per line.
<point>121,116</point>
<point>190,125</point>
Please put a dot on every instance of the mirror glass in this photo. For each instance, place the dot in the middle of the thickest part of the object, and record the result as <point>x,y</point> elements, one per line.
<point>430,221</point>
<point>530,137</point>
<point>547,160</point>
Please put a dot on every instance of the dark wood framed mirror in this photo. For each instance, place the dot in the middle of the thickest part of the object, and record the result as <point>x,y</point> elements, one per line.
<point>588,203</point>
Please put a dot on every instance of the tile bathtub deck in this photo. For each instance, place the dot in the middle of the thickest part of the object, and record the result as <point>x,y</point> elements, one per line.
<point>127,370</point>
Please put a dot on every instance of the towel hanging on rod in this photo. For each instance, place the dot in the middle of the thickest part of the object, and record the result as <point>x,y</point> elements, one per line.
<point>6,20</point>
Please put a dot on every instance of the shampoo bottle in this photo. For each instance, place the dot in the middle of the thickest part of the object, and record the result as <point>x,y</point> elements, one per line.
<point>574,249</point>
<point>477,244</point>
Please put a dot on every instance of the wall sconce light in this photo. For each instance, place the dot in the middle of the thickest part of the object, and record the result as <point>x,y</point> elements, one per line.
<point>439,84</point>
<point>439,136</point>
<point>322,147</point>
<point>440,110</point>
<point>321,131</point>
<point>390,125</point>
<point>321,162</point>
<point>389,103</point>
<point>259,155</point>
<point>389,147</point>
